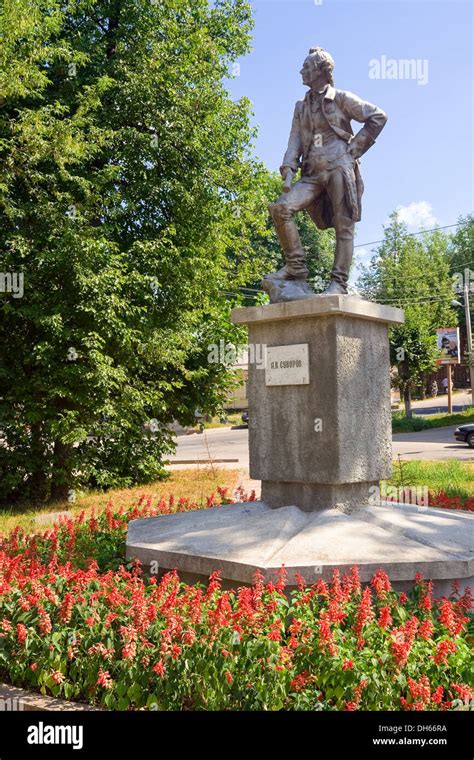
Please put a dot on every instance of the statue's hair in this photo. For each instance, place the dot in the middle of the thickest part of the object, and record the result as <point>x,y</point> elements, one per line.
<point>322,56</point>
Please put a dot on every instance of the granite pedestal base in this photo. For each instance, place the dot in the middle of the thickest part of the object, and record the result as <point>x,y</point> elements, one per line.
<point>239,539</point>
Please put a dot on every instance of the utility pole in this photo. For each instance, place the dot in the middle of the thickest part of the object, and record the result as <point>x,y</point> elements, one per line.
<point>469,339</point>
<point>449,388</point>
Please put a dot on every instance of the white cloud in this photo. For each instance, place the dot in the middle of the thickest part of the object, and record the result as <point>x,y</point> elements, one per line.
<point>417,215</point>
<point>362,256</point>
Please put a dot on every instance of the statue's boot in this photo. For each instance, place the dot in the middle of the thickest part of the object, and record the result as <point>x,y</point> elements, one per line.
<point>287,231</point>
<point>342,261</point>
<point>282,274</point>
<point>335,289</point>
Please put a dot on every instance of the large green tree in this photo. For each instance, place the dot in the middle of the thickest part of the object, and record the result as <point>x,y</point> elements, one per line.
<point>412,272</point>
<point>128,202</point>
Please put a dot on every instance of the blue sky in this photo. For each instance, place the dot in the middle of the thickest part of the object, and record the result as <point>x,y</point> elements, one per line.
<point>425,154</point>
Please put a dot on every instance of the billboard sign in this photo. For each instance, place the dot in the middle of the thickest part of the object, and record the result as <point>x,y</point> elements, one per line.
<point>448,345</point>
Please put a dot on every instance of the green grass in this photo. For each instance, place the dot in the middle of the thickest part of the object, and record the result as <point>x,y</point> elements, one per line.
<point>453,477</point>
<point>195,483</point>
<point>232,419</point>
<point>401,424</point>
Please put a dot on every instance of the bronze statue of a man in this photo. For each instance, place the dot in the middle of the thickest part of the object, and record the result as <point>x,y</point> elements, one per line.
<point>322,143</point>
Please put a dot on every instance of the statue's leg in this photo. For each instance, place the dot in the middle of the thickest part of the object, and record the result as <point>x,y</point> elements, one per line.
<point>283,210</point>
<point>344,226</point>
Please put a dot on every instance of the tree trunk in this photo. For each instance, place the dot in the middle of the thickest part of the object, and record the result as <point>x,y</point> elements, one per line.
<point>407,400</point>
<point>38,482</point>
<point>61,482</point>
<point>114,19</point>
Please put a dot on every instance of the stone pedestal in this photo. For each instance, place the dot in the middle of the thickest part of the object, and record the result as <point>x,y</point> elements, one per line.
<point>322,438</point>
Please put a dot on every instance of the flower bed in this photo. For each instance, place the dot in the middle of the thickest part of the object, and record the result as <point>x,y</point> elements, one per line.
<point>76,623</point>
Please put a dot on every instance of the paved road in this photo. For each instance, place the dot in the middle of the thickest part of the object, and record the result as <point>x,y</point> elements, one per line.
<point>437,443</point>
<point>439,404</point>
<point>232,444</point>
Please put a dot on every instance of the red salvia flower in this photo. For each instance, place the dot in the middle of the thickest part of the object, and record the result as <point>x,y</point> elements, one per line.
<point>437,695</point>
<point>426,602</point>
<point>300,581</point>
<point>65,612</point>
<point>364,612</point>
<point>282,574</point>
<point>381,583</point>
<point>443,650</point>
<point>403,638</point>
<point>159,668</point>
<point>299,682</point>
<point>275,631</point>
<point>421,689</point>
<point>352,705</point>
<point>385,618</point>
<point>129,650</point>
<point>426,629</point>
<point>45,625</point>
<point>465,692</point>
<point>450,619</point>
<point>104,679</point>
<point>326,637</point>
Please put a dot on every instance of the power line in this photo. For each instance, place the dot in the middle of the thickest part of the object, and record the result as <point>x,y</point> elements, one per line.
<point>410,234</point>
<point>424,301</point>
<point>375,242</point>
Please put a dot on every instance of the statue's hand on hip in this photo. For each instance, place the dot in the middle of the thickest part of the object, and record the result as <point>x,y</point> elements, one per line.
<point>352,152</point>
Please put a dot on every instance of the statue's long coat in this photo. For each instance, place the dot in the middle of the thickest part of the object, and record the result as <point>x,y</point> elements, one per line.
<point>339,108</point>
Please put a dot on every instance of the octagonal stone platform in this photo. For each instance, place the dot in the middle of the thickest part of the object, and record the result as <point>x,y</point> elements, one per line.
<point>238,539</point>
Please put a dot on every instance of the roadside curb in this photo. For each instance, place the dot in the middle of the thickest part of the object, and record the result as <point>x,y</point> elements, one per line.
<point>14,699</point>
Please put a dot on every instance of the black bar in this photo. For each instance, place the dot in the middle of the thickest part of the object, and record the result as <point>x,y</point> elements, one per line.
<point>155,734</point>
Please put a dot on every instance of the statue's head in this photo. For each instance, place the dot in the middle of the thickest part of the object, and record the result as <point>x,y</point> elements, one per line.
<point>318,66</point>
